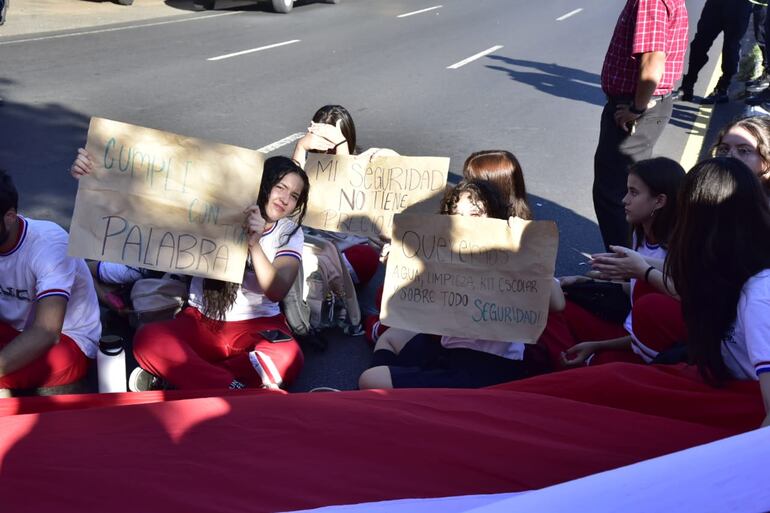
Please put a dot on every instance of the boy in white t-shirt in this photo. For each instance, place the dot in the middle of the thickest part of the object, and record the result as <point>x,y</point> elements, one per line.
<point>49,315</point>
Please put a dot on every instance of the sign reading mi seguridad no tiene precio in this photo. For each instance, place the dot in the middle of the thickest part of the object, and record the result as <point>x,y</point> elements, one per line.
<point>164,201</point>
<point>470,277</point>
<point>357,195</point>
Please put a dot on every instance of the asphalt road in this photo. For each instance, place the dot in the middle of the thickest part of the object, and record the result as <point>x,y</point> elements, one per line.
<point>536,93</point>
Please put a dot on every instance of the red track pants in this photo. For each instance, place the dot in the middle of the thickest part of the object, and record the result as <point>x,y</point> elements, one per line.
<point>190,353</point>
<point>64,363</point>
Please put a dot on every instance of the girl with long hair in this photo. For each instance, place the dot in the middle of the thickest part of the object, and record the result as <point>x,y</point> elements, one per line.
<point>577,336</point>
<point>658,320</point>
<point>501,168</point>
<point>719,261</point>
<point>233,334</point>
<point>404,359</point>
<point>331,131</point>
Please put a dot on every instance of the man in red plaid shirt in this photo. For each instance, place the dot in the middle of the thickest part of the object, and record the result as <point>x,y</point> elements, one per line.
<point>644,60</point>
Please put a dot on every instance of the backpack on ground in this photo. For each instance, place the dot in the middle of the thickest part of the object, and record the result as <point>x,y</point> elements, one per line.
<point>323,294</point>
<point>157,299</point>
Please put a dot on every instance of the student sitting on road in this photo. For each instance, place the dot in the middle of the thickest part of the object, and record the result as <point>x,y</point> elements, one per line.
<point>332,131</point>
<point>658,319</point>
<point>233,334</point>
<point>502,169</point>
<point>403,359</point>
<point>719,261</point>
<point>49,315</point>
<point>577,336</point>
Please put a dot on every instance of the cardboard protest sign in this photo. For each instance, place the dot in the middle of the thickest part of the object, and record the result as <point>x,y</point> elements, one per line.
<point>356,195</point>
<point>164,201</point>
<point>470,277</point>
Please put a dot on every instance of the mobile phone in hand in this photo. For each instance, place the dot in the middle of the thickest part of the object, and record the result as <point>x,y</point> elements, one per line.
<point>275,336</point>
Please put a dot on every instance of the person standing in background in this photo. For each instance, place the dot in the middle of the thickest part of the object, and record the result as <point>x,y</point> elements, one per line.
<point>730,17</point>
<point>758,14</point>
<point>644,60</point>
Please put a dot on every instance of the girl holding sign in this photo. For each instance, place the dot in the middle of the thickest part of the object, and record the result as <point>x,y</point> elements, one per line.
<point>233,334</point>
<point>577,336</point>
<point>501,169</point>
<point>403,359</point>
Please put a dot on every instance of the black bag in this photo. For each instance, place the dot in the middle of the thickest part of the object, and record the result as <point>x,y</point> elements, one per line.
<point>604,299</point>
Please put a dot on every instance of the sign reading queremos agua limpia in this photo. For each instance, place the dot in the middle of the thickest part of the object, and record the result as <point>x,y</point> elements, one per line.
<point>470,277</point>
<point>356,195</point>
<point>165,201</point>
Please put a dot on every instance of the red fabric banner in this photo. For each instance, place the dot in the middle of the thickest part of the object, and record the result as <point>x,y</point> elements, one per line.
<point>270,452</point>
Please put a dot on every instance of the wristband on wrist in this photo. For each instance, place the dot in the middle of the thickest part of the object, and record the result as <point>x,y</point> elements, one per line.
<point>632,108</point>
<point>647,273</point>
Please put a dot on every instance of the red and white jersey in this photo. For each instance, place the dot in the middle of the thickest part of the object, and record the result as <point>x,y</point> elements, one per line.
<point>250,301</point>
<point>746,348</point>
<point>650,251</point>
<point>38,267</point>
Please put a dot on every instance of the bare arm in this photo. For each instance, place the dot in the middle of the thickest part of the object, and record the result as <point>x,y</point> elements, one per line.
<point>34,341</point>
<point>579,353</point>
<point>556,302</point>
<point>626,263</point>
<point>652,65</point>
<point>320,137</point>
<point>274,278</point>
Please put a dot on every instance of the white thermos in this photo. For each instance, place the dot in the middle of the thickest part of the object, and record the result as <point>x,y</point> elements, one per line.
<point>111,364</point>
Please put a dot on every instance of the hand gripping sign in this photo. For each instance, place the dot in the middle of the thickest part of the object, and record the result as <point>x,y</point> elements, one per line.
<point>352,194</point>
<point>164,201</point>
<point>470,277</point>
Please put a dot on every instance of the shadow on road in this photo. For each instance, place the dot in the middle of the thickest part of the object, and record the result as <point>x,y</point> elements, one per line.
<point>687,117</point>
<point>41,137</point>
<point>553,79</point>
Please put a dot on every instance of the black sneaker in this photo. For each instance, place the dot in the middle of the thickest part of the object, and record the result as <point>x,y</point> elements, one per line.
<point>717,96</point>
<point>759,99</point>
<point>758,84</point>
<point>142,381</point>
<point>683,94</point>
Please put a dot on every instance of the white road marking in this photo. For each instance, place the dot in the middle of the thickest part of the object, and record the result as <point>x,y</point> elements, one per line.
<point>244,52</point>
<point>280,143</point>
<point>474,57</point>
<point>420,11</point>
<point>571,13</point>
<point>116,29</point>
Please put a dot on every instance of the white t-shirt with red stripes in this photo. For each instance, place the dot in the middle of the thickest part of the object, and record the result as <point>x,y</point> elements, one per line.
<point>250,301</point>
<point>746,348</point>
<point>38,267</point>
